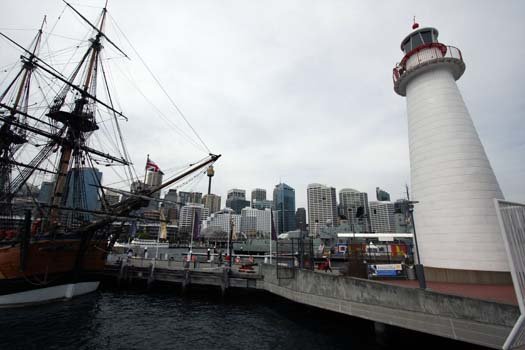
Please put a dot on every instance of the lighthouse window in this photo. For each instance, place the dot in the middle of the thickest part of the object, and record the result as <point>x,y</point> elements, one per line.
<point>416,41</point>
<point>427,37</point>
<point>406,46</point>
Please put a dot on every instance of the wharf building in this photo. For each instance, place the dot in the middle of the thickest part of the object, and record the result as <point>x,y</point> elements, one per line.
<point>353,206</point>
<point>322,207</point>
<point>284,207</point>
<point>236,200</point>
<point>382,217</point>
<point>458,233</point>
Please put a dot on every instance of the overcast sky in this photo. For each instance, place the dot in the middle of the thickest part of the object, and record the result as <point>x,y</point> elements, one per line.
<point>299,91</point>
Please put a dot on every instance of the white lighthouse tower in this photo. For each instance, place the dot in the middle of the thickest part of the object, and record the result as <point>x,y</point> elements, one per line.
<point>455,219</point>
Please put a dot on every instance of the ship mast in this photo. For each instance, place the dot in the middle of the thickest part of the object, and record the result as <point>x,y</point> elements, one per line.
<point>80,122</point>
<point>12,138</point>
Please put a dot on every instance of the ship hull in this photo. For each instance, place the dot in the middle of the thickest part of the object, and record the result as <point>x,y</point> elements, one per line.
<point>47,294</point>
<point>49,272</point>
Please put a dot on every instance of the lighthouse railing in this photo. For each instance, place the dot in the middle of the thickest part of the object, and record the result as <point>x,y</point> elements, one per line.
<point>424,54</point>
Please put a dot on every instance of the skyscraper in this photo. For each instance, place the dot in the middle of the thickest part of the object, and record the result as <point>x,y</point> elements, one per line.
<point>258,194</point>
<point>83,190</point>
<point>236,200</point>
<point>354,206</point>
<point>382,217</point>
<point>382,195</point>
<point>190,219</point>
<point>451,176</point>
<point>212,202</point>
<point>322,207</point>
<point>256,222</point>
<point>300,219</point>
<point>284,205</point>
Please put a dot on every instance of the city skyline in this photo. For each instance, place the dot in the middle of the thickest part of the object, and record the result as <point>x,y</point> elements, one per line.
<point>333,116</point>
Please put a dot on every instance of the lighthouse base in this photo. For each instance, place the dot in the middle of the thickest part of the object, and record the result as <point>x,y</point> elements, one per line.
<point>435,274</point>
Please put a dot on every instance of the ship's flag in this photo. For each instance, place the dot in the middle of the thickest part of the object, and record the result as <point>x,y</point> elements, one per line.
<point>152,166</point>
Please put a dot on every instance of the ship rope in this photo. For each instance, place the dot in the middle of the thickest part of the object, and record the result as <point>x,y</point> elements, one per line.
<point>160,85</point>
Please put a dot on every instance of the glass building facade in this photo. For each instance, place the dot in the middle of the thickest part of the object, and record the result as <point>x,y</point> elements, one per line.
<point>284,205</point>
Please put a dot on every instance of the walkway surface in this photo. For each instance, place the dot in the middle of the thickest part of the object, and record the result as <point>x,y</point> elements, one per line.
<point>499,293</point>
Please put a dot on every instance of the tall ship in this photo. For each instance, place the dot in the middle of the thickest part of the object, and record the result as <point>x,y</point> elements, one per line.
<point>56,126</point>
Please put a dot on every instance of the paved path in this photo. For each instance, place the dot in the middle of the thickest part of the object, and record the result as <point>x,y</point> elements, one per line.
<point>499,293</point>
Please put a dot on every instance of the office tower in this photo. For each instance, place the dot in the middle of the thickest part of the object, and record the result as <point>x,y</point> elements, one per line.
<point>220,221</point>
<point>190,219</point>
<point>258,194</point>
<point>236,200</point>
<point>382,217</point>
<point>284,205</point>
<point>322,207</point>
<point>353,206</point>
<point>382,195</point>
<point>300,219</point>
<point>212,202</point>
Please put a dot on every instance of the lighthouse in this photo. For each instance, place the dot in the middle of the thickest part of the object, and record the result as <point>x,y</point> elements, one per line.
<point>458,234</point>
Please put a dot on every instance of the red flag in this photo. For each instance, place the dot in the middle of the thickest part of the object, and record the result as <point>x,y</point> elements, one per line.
<point>150,165</point>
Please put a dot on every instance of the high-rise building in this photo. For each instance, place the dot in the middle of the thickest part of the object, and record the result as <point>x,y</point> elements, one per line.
<point>191,215</point>
<point>354,207</point>
<point>256,222</point>
<point>220,221</point>
<point>153,179</point>
<point>212,202</point>
<point>382,195</point>
<point>258,194</point>
<point>236,193</point>
<point>284,205</point>
<point>236,200</point>
<point>382,217</point>
<point>46,191</point>
<point>262,204</point>
<point>322,207</point>
<point>300,219</point>
<point>451,176</point>
<point>171,198</point>
<point>189,197</point>
<point>83,190</point>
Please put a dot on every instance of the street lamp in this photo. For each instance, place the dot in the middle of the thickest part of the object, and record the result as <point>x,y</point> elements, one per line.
<point>420,271</point>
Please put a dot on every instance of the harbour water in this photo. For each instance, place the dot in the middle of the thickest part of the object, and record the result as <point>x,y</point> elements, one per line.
<point>164,319</point>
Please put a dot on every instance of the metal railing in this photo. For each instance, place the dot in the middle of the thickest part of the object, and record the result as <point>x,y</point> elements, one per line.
<point>422,54</point>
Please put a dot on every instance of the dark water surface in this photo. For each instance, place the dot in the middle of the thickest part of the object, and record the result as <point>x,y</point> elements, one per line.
<point>164,319</point>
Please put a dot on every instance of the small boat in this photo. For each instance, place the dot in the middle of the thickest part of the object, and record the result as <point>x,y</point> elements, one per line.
<point>142,243</point>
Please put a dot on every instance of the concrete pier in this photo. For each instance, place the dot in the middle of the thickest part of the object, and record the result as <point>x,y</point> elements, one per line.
<point>476,321</point>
